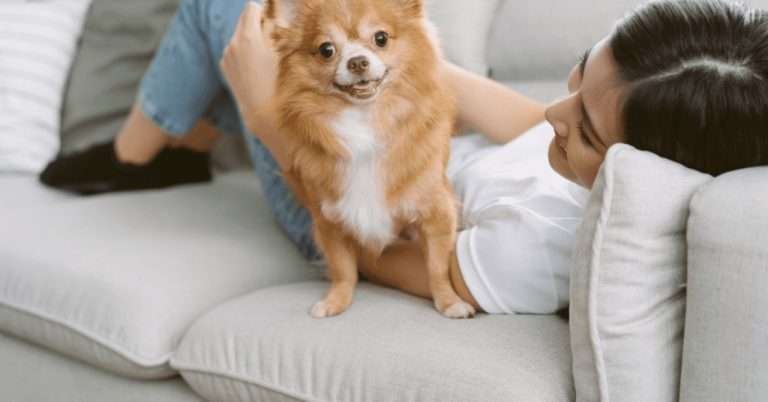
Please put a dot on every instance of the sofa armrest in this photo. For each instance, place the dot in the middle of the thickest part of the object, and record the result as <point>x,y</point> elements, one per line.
<point>726,330</point>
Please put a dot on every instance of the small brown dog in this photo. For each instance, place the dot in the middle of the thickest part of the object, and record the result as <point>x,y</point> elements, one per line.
<point>368,123</point>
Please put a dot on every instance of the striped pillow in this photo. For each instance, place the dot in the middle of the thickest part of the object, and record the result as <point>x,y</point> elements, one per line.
<point>38,39</point>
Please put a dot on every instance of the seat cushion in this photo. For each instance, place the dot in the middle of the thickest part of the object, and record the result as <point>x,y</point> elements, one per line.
<point>32,374</point>
<point>21,191</point>
<point>116,280</point>
<point>387,347</point>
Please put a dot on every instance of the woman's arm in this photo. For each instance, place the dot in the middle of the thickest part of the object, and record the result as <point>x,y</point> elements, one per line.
<point>403,267</point>
<point>487,107</point>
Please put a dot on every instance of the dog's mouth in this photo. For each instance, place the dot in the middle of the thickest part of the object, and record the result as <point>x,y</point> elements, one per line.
<point>363,89</point>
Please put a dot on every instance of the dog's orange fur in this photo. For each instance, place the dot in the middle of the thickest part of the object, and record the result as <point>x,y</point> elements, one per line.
<point>413,117</point>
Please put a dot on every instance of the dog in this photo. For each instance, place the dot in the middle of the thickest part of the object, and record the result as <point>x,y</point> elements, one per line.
<point>367,120</point>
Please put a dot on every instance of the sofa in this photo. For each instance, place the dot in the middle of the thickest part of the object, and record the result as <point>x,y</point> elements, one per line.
<point>117,292</point>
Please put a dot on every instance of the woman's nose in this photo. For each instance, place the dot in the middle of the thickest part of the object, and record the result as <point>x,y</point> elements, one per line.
<point>554,116</point>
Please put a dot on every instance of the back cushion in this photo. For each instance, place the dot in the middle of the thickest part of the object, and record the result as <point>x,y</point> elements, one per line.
<point>543,39</point>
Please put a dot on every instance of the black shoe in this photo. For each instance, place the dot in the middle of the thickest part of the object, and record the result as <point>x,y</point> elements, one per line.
<point>96,170</point>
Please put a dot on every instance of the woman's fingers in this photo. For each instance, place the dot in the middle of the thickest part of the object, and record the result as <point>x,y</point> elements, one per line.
<point>251,16</point>
<point>249,64</point>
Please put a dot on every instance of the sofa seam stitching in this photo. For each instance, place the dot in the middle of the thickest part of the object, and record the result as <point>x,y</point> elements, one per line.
<point>238,377</point>
<point>132,357</point>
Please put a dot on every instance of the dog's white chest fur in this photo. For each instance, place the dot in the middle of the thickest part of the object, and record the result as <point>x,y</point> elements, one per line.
<point>362,207</point>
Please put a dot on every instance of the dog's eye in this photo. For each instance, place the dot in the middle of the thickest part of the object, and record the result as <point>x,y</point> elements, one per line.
<point>327,50</point>
<point>381,38</point>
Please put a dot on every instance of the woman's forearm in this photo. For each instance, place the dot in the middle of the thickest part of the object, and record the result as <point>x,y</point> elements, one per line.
<point>485,106</point>
<point>265,128</point>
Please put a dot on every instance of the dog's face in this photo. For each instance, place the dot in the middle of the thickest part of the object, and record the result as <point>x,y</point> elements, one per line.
<point>351,49</point>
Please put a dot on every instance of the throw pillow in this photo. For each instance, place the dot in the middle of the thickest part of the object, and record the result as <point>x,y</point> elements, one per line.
<point>628,282</point>
<point>37,43</point>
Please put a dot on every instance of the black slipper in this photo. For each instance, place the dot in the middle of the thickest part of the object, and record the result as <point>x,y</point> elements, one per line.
<point>96,170</point>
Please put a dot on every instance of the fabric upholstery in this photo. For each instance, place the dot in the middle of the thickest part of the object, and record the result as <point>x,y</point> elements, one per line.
<point>727,316</point>
<point>32,374</point>
<point>24,191</point>
<point>628,279</point>
<point>121,277</point>
<point>542,91</point>
<point>388,347</point>
<point>543,40</point>
<point>463,27</point>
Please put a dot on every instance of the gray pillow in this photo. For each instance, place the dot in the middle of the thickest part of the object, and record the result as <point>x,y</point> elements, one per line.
<point>117,45</point>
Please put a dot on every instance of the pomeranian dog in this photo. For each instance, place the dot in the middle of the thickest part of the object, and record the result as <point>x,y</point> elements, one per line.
<point>368,122</point>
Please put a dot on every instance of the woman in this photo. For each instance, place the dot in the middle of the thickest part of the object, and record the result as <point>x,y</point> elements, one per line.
<point>686,80</point>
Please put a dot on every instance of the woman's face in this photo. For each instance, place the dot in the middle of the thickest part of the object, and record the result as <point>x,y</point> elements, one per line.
<point>588,121</point>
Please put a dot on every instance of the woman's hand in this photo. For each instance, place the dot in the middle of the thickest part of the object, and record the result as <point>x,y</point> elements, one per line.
<point>249,65</point>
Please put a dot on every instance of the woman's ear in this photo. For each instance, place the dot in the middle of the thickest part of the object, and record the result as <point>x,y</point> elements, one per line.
<point>282,12</point>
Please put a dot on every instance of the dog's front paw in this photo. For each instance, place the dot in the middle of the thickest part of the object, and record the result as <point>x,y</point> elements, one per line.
<point>460,309</point>
<point>327,308</point>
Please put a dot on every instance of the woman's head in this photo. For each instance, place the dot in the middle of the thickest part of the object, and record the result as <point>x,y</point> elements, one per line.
<point>687,80</point>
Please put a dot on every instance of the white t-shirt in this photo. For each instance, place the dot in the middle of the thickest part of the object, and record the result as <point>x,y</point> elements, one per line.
<point>517,223</point>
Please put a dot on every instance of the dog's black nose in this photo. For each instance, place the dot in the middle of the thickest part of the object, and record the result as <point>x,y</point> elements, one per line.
<point>358,65</point>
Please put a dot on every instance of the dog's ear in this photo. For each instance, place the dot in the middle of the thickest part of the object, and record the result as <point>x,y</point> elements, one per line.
<point>412,8</point>
<point>282,12</point>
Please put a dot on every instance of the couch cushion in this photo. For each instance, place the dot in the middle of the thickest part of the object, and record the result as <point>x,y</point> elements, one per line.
<point>463,27</point>
<point>32,374</point>
<point>543,39</point>
<point>21,191</point>
<point>628,280</point>
<point>116,280</point>
<point>542,91</point>
<point>387,347</point>
<point>726,323</point>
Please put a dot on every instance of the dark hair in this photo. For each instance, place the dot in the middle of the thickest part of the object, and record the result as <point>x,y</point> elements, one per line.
<point>698,77</point>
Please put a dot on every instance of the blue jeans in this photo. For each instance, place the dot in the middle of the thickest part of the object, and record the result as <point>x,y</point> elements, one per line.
<point>184,84</point>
